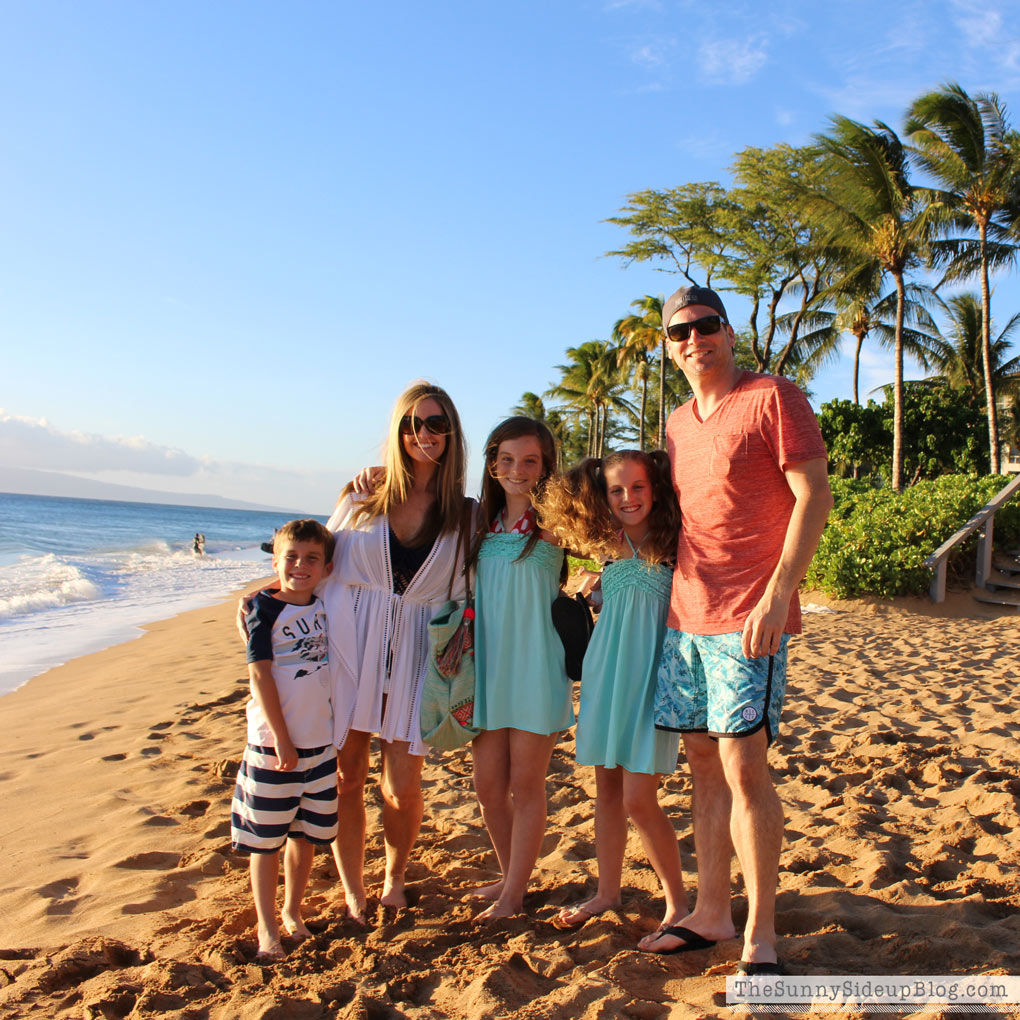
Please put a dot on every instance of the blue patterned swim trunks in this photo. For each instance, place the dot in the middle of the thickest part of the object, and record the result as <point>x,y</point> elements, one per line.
<point>706,685</point>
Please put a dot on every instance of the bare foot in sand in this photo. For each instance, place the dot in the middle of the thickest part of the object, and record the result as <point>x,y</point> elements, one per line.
<point>394,894</point>
<point>487,892</point>
<point>499,909</point>
<point>270,949</point>
<point>296,927</point>
<point>357,908</point>
<point>574,917</point>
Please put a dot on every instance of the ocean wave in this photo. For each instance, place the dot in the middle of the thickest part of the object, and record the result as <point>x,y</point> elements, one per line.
<point>43,582</point>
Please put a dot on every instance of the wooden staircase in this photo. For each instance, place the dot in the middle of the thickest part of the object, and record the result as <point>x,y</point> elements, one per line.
<point>1002,584</point>
<point>996,575</point>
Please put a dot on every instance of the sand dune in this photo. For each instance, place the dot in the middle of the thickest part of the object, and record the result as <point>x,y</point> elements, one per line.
<point>119,895</point>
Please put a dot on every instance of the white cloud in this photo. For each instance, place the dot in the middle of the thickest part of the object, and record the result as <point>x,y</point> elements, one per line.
<point>649,55</point>
<point>784,117</point>
<point>728,61</point>
<point>992,38</point>
<point>616,5</point>
<point>33,442</point>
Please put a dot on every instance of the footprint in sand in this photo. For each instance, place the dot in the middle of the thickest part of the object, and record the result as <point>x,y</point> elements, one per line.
<point>219,830</point>
<point>194,808</point>
<point>113,757</point>
<point>149,752</point>
<point>153,860</point>
<point>61,895</point>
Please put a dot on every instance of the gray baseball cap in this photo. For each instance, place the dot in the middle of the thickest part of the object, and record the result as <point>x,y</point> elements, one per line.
<point>691,296</point>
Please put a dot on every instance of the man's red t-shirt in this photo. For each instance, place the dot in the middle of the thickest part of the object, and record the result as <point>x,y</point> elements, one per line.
<point>734,499</point>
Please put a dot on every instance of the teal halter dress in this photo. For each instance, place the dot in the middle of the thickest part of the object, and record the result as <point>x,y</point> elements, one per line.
<point>520,677</point>
<point>616,724</point>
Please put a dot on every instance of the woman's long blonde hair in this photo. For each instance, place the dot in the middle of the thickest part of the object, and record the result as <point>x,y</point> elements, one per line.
<point>575,508</point>
<point>395,487</point>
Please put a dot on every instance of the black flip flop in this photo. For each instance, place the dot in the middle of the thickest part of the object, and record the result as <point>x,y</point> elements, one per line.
<point>755,969</point>
<point>691,941</point>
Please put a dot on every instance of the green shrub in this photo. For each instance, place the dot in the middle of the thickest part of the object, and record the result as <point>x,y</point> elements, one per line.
<point>877,540</point>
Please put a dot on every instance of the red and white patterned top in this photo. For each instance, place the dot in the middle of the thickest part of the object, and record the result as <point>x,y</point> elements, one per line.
<point>524,526</point>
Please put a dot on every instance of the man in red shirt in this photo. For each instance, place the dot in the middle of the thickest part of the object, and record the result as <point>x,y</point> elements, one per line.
<point>750,472</point>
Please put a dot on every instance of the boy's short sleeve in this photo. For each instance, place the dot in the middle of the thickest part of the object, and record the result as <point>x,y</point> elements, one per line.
<point>260,619</point>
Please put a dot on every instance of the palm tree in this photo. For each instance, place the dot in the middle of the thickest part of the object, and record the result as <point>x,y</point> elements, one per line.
<point>966,144</point>
<point>633,363</point>
<point>959,355</point>
<point>871,212</point>
<point>857,306</point>
<point>590,383</point>
<point>637,335</point>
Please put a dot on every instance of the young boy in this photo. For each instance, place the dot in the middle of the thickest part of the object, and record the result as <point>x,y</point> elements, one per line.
<point>286,786</point>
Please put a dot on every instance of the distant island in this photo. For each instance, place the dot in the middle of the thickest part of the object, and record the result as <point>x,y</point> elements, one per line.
<point>30,482</point>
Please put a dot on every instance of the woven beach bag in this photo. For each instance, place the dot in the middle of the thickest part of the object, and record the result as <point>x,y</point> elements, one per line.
<point>448,698</point>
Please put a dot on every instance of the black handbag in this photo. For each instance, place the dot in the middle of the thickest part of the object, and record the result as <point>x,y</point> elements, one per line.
<point>573,622</point>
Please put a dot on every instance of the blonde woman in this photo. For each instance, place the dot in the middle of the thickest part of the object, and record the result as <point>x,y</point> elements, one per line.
<point>395,554</point>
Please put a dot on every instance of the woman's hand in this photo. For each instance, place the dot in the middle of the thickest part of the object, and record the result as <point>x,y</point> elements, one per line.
<point>367,480</point>
<point>244,608</point>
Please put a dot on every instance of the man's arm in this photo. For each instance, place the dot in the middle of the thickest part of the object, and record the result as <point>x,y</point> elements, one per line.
<point>267,697</point>
<point>809,483</point>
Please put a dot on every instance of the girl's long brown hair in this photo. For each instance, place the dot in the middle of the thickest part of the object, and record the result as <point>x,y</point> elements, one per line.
<point>575,508</point>
<point>396,484</point>
<point>493,498</point>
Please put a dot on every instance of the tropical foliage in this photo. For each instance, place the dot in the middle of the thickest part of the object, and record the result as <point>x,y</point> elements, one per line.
<point>856,237</point>
<point>877,540</point>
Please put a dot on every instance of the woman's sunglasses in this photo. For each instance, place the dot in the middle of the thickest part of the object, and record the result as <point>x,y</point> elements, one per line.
<point>706,326</point>
<point>437,424</point>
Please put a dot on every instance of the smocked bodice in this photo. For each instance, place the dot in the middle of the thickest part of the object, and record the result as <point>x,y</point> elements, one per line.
<point>654,578</point>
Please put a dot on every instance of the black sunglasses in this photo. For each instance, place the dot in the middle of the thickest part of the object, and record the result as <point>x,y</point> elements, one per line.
<point>437,424</point>
<point>706,326</point>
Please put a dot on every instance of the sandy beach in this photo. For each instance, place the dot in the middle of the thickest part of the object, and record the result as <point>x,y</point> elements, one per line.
<point>897,764</point>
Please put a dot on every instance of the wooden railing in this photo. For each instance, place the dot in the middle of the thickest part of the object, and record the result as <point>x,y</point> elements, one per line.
<point>984,519</point>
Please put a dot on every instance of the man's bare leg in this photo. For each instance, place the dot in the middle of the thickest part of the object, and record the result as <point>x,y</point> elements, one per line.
<point>757,832</point>
<point>349,846</point>
<point>713,847</point>
<point>403,808</point>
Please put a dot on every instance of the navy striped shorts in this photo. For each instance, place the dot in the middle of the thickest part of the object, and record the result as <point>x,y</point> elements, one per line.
<point>270,806</point>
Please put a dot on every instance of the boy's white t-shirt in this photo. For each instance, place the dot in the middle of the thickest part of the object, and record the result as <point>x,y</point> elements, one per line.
<point>294,639</point>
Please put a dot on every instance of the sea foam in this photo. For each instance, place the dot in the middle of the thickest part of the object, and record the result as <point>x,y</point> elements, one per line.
<point>42,582</point>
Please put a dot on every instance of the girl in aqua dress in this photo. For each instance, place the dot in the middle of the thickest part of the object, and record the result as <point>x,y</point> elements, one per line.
<point>622,511</point>
<point>522,694</point>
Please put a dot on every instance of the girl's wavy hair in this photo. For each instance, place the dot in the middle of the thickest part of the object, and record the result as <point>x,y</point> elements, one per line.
<point>575,508</point>
<point>493,498</point>
<point>395,487</point>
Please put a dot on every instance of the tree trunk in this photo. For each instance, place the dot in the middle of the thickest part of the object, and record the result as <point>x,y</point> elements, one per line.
<point>986,354</point>
<point>857,367</point>
<point>644,401</point>
<point>897,441</point>
<point>662,394</point>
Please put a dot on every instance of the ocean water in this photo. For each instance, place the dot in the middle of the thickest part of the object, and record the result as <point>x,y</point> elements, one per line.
<point>78,575</point>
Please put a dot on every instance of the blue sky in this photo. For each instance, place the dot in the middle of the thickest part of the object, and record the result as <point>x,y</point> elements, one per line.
<point>232,232</point>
